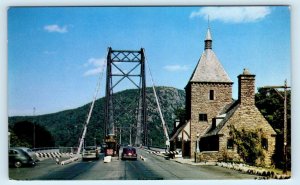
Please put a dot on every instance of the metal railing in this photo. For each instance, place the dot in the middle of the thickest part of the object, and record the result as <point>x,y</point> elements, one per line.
<point>56,149</point>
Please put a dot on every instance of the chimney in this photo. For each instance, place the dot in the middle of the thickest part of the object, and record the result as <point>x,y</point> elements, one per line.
<point>246,88</point>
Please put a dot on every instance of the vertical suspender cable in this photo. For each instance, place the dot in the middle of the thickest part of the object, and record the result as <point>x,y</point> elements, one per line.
<point>159,109</point>
<point>90,112</point>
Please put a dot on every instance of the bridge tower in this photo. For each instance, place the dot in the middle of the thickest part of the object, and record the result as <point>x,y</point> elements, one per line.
<point>117,60</point>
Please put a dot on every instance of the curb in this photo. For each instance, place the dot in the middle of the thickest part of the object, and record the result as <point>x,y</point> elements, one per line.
<point>266,174</point>
<point>69,160</point>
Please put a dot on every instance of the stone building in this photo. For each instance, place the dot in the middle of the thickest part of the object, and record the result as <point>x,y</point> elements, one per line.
<point>211,110</point>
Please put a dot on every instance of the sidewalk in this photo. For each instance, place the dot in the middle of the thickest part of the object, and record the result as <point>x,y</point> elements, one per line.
<point>181,160</point>
<point>243,168</point>
<point>266,173</point>
<point>192,162</point>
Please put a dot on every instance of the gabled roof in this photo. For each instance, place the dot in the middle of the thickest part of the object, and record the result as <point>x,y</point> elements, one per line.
<point>228,110</point>
<point>209,69</point>
<point>177,130</point>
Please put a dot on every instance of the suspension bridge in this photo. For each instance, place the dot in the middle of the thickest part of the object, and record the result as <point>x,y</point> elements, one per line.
<point>135,73</point>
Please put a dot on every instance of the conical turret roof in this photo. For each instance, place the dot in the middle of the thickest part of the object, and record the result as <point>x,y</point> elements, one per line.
<point>209,68</point>
<point>208,35</point>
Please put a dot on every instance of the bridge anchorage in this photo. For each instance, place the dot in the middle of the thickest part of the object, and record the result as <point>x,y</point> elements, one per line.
<point>128,66</point>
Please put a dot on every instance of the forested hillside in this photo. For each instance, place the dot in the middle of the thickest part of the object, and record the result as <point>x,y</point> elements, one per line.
<point>66,126</point>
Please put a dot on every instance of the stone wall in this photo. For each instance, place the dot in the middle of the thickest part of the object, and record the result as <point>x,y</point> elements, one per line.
<point>246,117</point>
<point>200,103</point>
<point>246,89</point>
<point>250,119</point>
<point>208,156</point>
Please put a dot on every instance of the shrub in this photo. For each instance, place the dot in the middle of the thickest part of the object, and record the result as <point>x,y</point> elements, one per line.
<point>249,146</point>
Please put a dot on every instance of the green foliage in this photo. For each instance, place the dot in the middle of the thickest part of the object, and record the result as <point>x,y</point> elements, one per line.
<point>248,146</point>
<point>22,134</point>
<point>66,126</point>
<point>16,141</point>
<point>180,114</point>
<point>271,105</point>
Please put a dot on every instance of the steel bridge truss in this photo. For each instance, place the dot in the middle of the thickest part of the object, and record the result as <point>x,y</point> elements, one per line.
<point>137,63</point>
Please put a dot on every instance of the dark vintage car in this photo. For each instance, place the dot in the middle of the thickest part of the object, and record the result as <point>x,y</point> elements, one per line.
<point>129,153</point>
<point>90,152</point>
<point>18,157</point>
<point>29,151</point>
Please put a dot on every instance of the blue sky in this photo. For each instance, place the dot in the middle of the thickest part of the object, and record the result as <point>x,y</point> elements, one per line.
<point>55,54</point>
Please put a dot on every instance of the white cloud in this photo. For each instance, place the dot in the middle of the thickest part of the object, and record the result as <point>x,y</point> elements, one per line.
<point>56,28</point>
<point>176,67</point>
<point>97,65</point>
<point>232,14</point>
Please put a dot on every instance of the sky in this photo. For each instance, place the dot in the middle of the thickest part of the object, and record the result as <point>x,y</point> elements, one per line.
<point>56,54</point>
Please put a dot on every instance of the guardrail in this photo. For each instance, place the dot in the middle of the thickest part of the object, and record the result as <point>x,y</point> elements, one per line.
<point>56,149</point>
<point>161,149</point>
<point>61,155</point>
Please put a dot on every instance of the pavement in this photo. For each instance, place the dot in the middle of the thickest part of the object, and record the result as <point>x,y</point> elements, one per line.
<point>184,160</point>
<point>238,167</point>
<point>192,162</point>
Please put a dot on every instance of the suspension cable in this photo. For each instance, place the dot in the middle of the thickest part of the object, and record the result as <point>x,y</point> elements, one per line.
<point>90,111</point>
<point>159,109</point>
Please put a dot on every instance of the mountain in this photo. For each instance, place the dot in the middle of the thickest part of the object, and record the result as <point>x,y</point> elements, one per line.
<point>66,126</point>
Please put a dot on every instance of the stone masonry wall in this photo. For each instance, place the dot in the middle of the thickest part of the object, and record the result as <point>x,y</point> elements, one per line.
<point>208,156</point>
<point>250,119</point>
<point>200,103</point>
<point>247,89</point>
<point>246,117</point>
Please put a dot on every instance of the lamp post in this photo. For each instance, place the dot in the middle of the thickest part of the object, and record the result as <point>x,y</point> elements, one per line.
<point>197,148</point>
<point>198,137</point>
<point>120,141</point>
<point>285,87</point>
<point>130,136</point>
<point>33,128</point>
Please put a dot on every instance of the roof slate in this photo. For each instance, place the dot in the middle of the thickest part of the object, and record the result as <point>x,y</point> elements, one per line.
<point>209,69</point>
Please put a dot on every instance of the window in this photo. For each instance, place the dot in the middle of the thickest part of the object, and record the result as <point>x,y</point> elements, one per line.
<point>202,117</point>
<point>264,143</point>
<point>230,143</point>
<point>13,152</point>
<point>211,95</point>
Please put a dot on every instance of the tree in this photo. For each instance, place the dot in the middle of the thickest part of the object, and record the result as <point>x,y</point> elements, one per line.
<point>23,135</point>
<point>271,105</point>
<point>180,114</point>
<point>15,141</point>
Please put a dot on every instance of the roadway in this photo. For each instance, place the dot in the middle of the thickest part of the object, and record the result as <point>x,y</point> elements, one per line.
<point>153,168</point>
